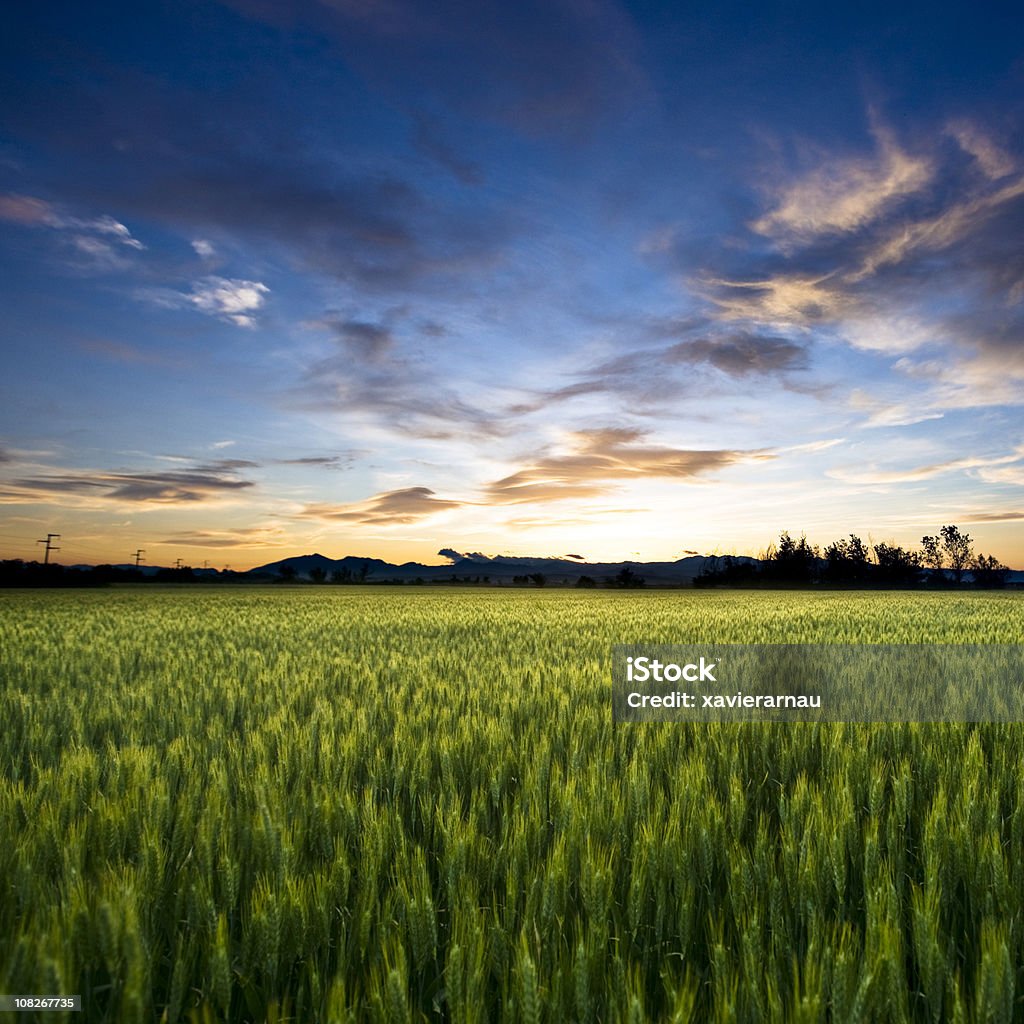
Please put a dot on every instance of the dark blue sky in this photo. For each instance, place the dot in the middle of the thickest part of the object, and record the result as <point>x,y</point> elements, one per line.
<point>621,279</point>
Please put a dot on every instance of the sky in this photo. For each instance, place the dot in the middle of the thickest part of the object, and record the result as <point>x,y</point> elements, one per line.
<point>630,281</point>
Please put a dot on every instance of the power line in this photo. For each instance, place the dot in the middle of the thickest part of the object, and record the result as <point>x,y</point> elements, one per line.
<point>25,539</point>
<point>50,546</point>
<point>91,550</point>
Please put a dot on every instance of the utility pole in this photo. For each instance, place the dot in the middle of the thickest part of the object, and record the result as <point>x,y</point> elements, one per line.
<point>138,556</point>
<point>177,563</point>
<point>50,546</point>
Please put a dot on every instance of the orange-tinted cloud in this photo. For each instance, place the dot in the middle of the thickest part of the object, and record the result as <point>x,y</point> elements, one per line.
<point>605,456</point>
<point>406,505</point>
<point>845,194</point>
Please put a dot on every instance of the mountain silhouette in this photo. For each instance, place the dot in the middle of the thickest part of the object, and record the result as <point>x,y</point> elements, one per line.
<point>496,569</point>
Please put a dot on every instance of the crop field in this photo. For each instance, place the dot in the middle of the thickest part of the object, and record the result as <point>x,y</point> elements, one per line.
<point>402,804</point>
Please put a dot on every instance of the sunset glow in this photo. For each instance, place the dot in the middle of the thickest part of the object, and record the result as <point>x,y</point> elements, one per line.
<point>381,279</point>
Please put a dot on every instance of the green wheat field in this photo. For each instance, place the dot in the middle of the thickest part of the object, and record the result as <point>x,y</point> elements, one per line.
<point>359,804</point>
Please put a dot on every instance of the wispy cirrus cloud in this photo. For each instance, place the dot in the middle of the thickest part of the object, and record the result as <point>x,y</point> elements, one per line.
<point>845,194</point>
<point>94,237</point>
<point>34,212</point>
<point>874,475</point>
<point>994,473</point>
<point>936,233</point>
<point>27,210</point>
<point>660,373</point>
<point>781,300</point>
<point>369,376</point>
<point>813,446</point>
<point>880,411</point>
<point>992,158</point>
<point>914,256</point>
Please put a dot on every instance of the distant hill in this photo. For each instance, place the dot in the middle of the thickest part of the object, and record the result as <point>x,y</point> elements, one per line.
<point>496,570</point>
<point>502,569</point>
<point>304,564</point>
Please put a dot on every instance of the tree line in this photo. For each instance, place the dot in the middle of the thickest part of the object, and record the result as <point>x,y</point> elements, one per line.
<point>943,559</point>
<point>15,572</point>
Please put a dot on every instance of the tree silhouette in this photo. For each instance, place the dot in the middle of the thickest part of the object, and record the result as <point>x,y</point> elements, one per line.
<point>793,561</point>
<point>957,547</point>
<point>931,553</point>
<point>988,571</point>
<point>897,565</point>
<point>847,560</point>
<point>628,579</point>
